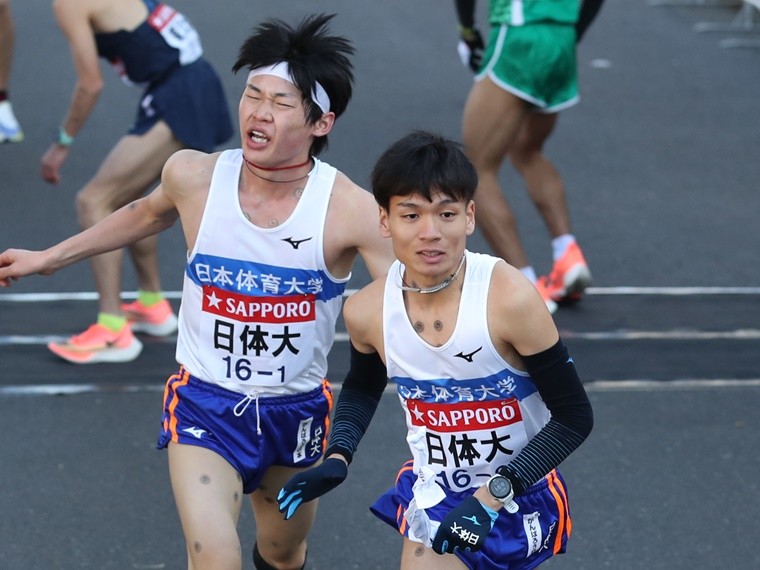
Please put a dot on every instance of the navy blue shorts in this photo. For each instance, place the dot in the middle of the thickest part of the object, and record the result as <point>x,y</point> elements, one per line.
<point>192,102</point>
<point>522,540</point>
<point>289,431</point>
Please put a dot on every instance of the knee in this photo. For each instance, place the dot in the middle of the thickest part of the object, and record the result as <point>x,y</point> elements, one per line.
<point>293,560</point>
<point>92,206</point>
<point>521,155</point>
<point>85,210</point>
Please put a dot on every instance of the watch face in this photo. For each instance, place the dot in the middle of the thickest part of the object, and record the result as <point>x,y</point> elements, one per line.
<point>499,487</point>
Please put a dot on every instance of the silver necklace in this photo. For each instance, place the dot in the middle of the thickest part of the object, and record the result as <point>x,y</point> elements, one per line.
<point>435,288</point>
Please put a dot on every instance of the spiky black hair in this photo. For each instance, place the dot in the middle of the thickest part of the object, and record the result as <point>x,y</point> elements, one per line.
<point>313,55</point>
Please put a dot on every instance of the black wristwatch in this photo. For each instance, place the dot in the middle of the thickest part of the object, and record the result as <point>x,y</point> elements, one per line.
<point>500,489</point>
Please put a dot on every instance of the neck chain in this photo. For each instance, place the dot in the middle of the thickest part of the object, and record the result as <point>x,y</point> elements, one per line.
<point>249,164</point>
<point>435,288</point>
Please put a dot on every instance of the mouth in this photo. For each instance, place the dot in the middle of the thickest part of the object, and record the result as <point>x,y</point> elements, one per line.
<point>257,137</point>
<point>431,255</point>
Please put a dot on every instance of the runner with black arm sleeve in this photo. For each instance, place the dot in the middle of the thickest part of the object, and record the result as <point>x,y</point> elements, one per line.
<point>492,398</point>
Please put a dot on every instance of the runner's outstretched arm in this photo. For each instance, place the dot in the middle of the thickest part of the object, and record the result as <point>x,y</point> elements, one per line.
<point>133,222</point>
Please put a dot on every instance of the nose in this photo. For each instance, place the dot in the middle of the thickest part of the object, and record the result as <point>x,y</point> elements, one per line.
<point>262,111</point>
<point>429,228</point>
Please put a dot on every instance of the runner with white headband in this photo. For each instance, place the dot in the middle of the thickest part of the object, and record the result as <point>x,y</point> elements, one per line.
<point>272,234</point>
<point>281,70</point>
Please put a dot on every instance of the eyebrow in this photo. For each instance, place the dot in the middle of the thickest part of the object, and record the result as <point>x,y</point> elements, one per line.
<point>445,202</point>
<point>252,87</point>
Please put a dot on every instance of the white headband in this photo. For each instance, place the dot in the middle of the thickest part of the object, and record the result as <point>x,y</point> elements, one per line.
<point>281,70</point>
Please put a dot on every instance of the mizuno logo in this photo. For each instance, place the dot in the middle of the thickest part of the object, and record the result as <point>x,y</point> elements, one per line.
<point>295,242</point>
<point>473,519</point>
<point>468,357</point>
<point>195,432</point>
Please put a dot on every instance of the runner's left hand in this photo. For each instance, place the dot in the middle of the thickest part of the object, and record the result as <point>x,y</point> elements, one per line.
<point>311,484</point>
<point>471,48</point>
<point>465,527</point>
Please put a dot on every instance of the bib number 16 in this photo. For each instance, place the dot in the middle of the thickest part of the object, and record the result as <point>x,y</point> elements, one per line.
<point>241,369</point>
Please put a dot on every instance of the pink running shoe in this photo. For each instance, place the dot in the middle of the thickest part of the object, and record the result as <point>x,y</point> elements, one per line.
<point>99,344</point>
<point>570,276</point>
<point>545,294</point>
<point>156,320</point>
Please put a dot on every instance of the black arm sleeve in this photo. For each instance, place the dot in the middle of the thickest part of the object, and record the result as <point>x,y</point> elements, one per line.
<point>571,420</point>
<point>589,10</point>
<point>357,402</point>
<point>466,13</point>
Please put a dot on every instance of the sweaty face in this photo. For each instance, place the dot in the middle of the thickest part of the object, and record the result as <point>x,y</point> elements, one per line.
<point>428,237</point>
<point>273,127</point>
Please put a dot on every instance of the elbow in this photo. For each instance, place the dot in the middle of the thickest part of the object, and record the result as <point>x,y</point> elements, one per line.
<point>91,87</point>
<point>587,424</point>
<point>95,87</point>
<point>585,421</point>
<point>579,419</point>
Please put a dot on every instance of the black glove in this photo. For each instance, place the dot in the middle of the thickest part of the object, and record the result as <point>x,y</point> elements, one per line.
<point>465,527</point>
<point>311,484</point>
<point>471,48</point>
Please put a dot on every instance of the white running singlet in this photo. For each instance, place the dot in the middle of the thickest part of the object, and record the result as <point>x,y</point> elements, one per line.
<point>467,410</point>
<point>259,306</point>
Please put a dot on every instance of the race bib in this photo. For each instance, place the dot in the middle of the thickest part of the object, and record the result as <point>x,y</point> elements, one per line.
<point>460,440</point>
<point>258,340</point>
<point>177,32</point>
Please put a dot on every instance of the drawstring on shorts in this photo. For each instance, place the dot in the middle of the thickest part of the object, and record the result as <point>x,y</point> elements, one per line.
<point>242,406</point>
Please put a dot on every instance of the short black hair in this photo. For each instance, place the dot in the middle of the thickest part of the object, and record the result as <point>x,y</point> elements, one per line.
<point>423,163</point>
<point>313,55</point>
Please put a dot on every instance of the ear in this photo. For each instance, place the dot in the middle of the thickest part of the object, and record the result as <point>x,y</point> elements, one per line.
<point>470,213</point>
<point>323,125</point>
<point>384,229</point>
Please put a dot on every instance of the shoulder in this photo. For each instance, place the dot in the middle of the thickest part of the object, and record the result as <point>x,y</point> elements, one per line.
<point>510,292</point>
<point>350,194</point>
<point>354,206</point>
<point>188,169</point>
<point>187,163</point>
<point>353,226</point>
<point>356,211</point>
<point>363,315</point>
<point>517,315</point>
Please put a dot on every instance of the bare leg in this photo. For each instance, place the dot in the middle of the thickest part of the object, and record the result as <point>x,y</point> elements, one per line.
<point>144,254</point>
<point>7,38</point>
<point>415,556</point>
<point>542,180</point>
<point>127,172</point>
<point>281,543</point>
<point>208,492</point>
<point>492,118</point>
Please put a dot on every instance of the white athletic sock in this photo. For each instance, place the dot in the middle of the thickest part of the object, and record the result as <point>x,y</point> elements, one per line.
<point>560,245</point>
<point>530,273</point>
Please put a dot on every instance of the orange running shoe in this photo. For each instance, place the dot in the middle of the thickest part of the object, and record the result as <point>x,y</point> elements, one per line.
<point>543,290</point>
<point>156,320</point>
<point>570,276</point>
<point>99,344</point>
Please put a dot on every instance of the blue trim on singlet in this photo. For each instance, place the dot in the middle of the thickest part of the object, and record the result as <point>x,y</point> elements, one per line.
<point>503,384</point>
<point>223,274</point>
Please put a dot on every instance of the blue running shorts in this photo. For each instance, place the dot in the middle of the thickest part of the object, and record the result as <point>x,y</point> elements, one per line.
<point>522,540</point>
<point>192,102</point>
<point>289,431</point>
